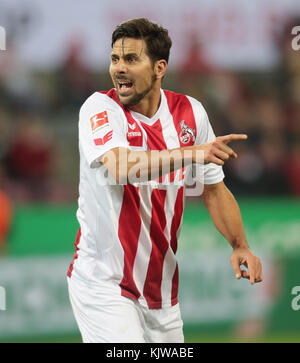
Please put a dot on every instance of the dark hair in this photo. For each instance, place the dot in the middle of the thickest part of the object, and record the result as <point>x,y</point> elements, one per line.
<point>156,37</point>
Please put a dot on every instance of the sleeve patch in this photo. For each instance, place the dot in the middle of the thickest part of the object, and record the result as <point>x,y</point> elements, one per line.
<point>99,120</point>
<point>103,140</point>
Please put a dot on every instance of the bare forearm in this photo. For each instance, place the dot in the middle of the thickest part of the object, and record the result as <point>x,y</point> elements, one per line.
<point>139,166</point>
<point>225,214</point>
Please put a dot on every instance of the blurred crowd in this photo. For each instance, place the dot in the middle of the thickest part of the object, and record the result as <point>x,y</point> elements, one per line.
<point>264,105</point>
<point>39,115</point>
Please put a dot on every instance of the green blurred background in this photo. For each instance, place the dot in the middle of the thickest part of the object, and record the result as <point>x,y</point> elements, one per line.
<point>241,60</point>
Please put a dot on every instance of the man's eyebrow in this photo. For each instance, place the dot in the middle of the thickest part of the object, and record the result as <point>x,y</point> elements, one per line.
<point>130,54</point>
<point>113,55</point>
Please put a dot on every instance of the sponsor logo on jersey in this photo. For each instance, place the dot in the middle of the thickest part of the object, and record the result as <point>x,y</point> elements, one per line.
<point>187,134</point>
<point>132,126</point>
<point>99,120</point>
<point>135,138</point>
<point>103,140</point>
<point>133,134</point>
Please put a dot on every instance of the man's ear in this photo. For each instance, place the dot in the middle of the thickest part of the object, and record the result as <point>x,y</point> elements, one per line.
<point>160,68</point>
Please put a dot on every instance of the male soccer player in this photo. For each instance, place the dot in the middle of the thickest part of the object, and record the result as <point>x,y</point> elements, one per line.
<point>123,281</point>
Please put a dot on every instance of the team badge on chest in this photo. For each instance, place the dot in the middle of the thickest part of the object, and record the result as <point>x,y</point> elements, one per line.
<point>186,135</point>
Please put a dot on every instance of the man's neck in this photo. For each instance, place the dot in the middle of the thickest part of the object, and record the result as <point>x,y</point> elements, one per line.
<point>149,105</point>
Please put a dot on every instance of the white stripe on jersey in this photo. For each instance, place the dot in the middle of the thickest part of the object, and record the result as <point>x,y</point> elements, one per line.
<point>142,257</point>
<point>170,259</point>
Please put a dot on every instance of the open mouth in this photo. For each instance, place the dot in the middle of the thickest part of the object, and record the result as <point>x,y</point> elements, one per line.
<point>124,86</point>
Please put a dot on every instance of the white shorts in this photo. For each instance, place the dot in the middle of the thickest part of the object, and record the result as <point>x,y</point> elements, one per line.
<point>103,315</point>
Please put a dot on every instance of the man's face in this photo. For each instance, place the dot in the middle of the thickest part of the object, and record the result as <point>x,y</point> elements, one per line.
<point>131,70</point>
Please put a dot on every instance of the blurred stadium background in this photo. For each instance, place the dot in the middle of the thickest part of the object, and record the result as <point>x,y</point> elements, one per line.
<point>236,57</point>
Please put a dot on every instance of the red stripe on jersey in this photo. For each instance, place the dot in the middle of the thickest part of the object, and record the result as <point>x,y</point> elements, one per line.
<point>77,241</point>
<point>176,221</point>
<point>183,117</point>
<point>155,139</point>
<point>174,294</point>
<point>129,231</point>
<point>160,245</point>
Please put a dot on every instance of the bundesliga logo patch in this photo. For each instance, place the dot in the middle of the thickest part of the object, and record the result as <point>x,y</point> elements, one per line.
<point>99,120</point>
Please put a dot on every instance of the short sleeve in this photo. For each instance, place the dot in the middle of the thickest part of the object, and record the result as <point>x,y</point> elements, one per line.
<point>102,127</point>
<point>213,173</point>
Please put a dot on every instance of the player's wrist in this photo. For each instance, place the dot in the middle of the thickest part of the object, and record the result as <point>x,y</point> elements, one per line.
<point>240,244</point>
<point>198,155</point>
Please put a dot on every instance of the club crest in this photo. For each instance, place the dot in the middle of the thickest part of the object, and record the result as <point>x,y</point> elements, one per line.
<point>186,134</point>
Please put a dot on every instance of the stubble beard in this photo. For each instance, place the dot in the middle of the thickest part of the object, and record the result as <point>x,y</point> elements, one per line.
<point>137,97</point>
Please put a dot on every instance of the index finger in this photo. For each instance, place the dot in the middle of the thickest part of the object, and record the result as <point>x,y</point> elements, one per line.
<point>228,138</point>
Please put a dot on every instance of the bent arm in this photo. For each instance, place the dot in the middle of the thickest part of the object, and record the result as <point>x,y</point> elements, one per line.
<point>139,166</point>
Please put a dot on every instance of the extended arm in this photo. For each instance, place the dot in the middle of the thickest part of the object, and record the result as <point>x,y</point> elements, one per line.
<point>138,166</point>
<point>226,216</point>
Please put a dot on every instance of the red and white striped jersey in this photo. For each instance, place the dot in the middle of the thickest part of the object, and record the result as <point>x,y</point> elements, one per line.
<point>128,233</point>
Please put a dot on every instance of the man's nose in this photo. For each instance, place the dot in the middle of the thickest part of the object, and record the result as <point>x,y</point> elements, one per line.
<point>121,67</point>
